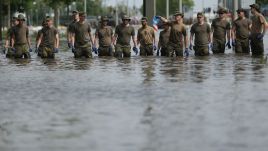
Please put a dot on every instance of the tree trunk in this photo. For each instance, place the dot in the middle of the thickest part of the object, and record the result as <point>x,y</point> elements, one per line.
<point>1,21</point>
<point>8,14</point>
<point>56,17</point>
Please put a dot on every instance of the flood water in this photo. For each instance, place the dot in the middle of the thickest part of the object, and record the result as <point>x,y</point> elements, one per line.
<point>215,103</point>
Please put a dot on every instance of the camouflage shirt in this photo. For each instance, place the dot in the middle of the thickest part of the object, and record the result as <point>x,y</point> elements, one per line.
<point>146,35</point>
<point>177,32</point>
<point>164,38</point>
<point>49,36</point>
<point>104,35</point>
<point>257,22</point>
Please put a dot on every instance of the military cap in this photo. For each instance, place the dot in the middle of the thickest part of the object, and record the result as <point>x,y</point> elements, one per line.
<point>104,18</point>
<point>144,19</point>
<point>256,6</point>
<point>178,13</point>
<point>125,17</point>
<point>21,17</point>
<point>240,10</point>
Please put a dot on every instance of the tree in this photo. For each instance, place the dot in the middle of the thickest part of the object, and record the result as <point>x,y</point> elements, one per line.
<point>262,2</point>
<point>173,4</point>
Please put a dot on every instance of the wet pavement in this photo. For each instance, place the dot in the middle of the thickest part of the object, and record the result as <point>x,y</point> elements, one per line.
<point>214,103</point>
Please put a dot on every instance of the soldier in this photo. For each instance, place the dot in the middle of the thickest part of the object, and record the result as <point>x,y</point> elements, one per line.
<point>7,46</point>
<point>20,39</point>
<point>123,33</point>
<point>163,40</point>
<point>178,35</point>
<point>202,33</point>
<point>104,34</point>
<point>82,38</point>
<point>257,30</point>
<point>220,28</point>
<point>241,29</point>
<point>146,38</point>
<point>75,17</point>
<point>44,23</point>
<point>48,41</point>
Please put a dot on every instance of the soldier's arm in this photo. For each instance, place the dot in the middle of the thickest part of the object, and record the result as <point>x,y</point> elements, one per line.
<point>233,32</point>
<point>153,34</point>
<point>39,40</point>
<point>185,38</point>
<point>133,37</point>
<point>263,21</point>
<point>7,39</point>
<point>28,38</point>
<point>96,37</point>
<point>57,42</point>
<point>138,37</point>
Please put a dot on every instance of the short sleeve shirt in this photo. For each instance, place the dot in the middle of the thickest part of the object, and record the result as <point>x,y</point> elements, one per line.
<point>220,28</point>
<point>146,35</point>
<point>49,36</point>
<point>177,32</point>
<point>20,34</point>
<point>82,33</point>
<point>201,33</point>
<point>124,34</point>
<point>257,22</point>
<point>164,38</point>
<point>104,35</point>
<point>242,28</point>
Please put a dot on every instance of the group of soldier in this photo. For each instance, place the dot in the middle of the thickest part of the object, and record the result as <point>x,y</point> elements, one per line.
<point>243,35</point>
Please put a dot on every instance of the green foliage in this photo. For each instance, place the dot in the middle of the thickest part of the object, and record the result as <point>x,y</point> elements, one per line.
<point>262,2</point>
<point>173,4</point>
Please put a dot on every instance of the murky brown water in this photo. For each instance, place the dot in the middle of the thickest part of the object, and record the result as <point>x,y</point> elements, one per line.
<point>139,104</point>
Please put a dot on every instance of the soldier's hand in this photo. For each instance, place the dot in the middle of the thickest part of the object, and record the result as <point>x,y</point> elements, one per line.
<point>73,49</point>
<point>186,52</point>
<point>36,50</point>
<point>233,42</point>
<point>95,50</point>
<point>56,50</point>
<point>4,50</point>
<point>228,44</point>
<point>191,46</point>
<point>154,47</point>
<point>135,49</point>
<point>69,45</point>
<point>157,53</point>
<point>13,49</point>
<point>260,36</point>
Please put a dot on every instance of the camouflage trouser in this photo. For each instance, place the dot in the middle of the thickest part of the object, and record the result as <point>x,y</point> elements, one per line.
<point>106,51</point>
<point>146,50</point>
<point>242,45</point>
<point>85,51</point>
<point>10,53</point>
<point>21,51</point>
<point>46,52</point>
<point>164,51</point>
<point>174,48</point>
<point>122,51</point>
<point>201,51</point>
<point>218,46</point>
<point>257,47</point>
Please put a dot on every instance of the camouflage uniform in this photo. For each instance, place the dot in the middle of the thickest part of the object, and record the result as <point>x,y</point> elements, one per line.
<point>104,35</point>
<point>82,40</point>
<point>201,33</point>
<point>146,37</point>
<point>257,46</point>
<point>177,32</point>
<point>46,48</point>
<point>20,34</point>
<point>242,27</point>
<point>123,40</point>
<point>219,28</point>
<point>163,42</point>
